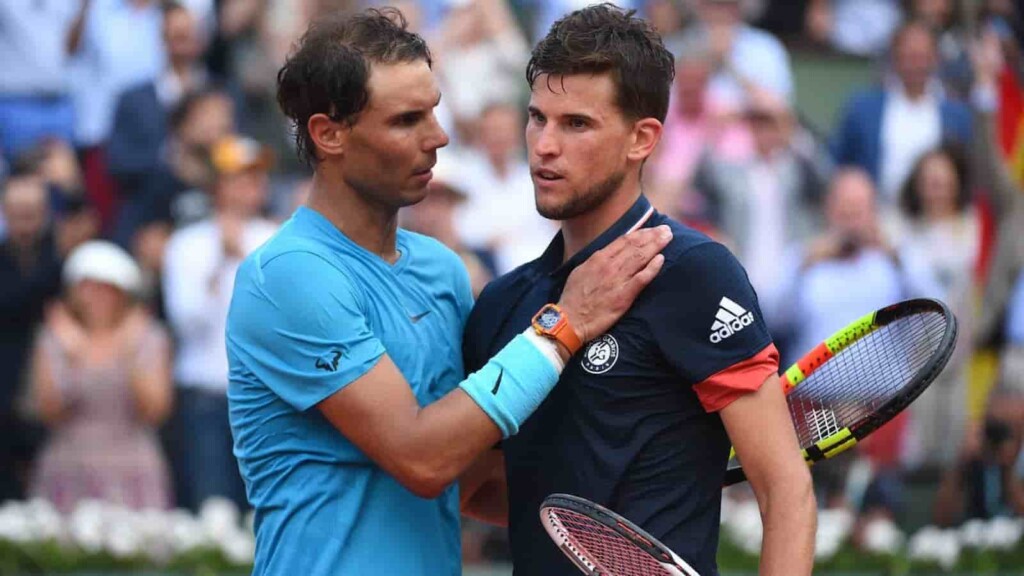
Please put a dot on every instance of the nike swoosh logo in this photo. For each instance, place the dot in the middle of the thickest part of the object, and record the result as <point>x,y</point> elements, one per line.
<point>497,383</point>
<point>418,317</point>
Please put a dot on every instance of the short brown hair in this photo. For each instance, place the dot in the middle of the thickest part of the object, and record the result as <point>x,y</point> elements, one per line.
<point>605,38</point>
<point>328,71</point>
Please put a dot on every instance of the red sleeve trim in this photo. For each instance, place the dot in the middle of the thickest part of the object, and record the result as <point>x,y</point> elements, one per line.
<point>721,389</point>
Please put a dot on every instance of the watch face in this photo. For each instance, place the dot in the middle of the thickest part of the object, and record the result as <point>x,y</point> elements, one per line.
<point>549,319</point>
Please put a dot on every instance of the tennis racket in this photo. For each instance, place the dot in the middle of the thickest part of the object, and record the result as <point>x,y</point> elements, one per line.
<point>602,543</point>
<point>863,376</point>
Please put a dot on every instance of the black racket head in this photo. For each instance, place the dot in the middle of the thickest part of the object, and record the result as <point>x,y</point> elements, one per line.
<point>601,542</point>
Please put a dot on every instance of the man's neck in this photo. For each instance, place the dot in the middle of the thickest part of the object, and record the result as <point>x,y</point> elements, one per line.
<point>582,230</point>
<point>374,227</point>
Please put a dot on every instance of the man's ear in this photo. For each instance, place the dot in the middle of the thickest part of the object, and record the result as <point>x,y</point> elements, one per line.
<point>328,135</point>
<point>646,135</point>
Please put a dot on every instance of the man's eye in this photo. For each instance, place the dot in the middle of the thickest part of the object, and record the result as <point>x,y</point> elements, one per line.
<point>578,123</point>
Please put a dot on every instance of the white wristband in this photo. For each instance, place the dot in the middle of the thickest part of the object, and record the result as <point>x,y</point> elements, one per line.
<point>547,347</point>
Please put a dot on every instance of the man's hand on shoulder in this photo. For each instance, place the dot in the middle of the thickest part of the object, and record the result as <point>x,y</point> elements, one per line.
<point>602,289</point>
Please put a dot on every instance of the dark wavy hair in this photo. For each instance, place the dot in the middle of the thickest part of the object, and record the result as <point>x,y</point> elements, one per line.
<point>328,70</point>
<point>910,201</point>
<point>607,39</point>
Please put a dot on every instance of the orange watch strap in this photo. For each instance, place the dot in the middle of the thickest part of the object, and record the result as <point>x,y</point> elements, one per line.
<point>565,334</point>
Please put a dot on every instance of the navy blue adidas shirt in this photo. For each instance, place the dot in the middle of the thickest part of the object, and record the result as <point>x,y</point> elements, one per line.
<point>633,422</point>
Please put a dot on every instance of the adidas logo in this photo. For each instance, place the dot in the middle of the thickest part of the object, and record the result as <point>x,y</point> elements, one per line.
<point>730,319</point>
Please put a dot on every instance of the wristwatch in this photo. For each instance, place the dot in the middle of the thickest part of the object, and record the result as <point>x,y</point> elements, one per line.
<point>551,322</point>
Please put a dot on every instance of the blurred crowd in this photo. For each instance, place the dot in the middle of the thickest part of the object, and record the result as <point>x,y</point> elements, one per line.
<point>142,157</point>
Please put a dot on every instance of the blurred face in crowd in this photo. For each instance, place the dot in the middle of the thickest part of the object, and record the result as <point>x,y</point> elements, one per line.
<point>850,206</point>
<point>663,15</point>
<point>938,185</point>
<point>389,151</point>
<point>718,13</point>
<point>691,85</point>
<point>243,193</point>
<point>210,119</point>
<point>98,305</point>
<point>915,58</point>
<point>181,37</point>
<point>500,131</point>
<point>769,130</point>
<point>26,209</point>
<point>936,13</point>
<point>578,140</point>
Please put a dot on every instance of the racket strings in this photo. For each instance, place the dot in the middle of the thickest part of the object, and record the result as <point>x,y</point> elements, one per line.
<point>865,376</point>
<point>602,547</point>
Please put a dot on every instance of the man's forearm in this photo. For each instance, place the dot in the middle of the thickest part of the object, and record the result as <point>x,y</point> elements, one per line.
<point>789,515</point>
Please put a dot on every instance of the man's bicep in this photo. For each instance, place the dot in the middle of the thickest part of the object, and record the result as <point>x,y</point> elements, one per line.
<point>369,409</point>
<point>761,430</point>
<point>301,330</point>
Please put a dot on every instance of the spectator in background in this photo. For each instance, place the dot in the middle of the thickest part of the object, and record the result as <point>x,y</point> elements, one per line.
<point>1001,322</point>
<point>436,215</point>
<point>36,40</point>
<point>198,279</point>
<point>120,47</point>
<point>849,270</point>
<point>29,276</point>
<point>768,202</point>
<point>101,382</point>
<point>938,223</point>
<point>858,27</point>
<point>696,125</point>
<point>885,129</point>
<point>481,55</point>
<point>954,62</point>
<point>499,216</point>
<point>669,18</point>
<point>140,120</point>
<point>743,56</point>
<point>178,194</point>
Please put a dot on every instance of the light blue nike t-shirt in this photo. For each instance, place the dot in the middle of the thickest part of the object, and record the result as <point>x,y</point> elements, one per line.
<point>311,312</point>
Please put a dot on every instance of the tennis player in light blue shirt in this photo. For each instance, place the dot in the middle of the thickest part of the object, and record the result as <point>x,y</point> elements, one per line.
<point>351,416</point>
<point>313,311</point>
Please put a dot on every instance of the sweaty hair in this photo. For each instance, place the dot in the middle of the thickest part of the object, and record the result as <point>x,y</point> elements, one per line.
<point>328,70</point>
<point>607,39</point>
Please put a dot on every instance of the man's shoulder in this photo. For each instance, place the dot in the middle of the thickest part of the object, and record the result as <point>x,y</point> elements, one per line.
<point>681,249</point>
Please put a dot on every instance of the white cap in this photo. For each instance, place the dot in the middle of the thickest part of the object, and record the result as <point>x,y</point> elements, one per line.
<point>105,262</point>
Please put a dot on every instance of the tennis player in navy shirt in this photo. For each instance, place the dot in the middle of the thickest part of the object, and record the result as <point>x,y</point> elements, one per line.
<point>643,416</point>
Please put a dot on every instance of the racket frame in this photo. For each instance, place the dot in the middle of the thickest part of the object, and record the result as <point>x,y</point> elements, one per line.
<point>650,545</point>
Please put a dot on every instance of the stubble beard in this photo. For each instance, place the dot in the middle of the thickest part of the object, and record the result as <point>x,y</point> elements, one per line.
<point>581,203</point>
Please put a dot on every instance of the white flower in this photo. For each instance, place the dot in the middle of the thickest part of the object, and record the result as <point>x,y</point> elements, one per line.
<point>882,536</point>
<point>86,525</point>
<point>239,548</point>
<point>219,518</point>
<point>14,524</point>
<point>44,521</point>
<point>973,533</point>
<point>933,545</point>
<point>1002,533</point>
<point>186,533</point>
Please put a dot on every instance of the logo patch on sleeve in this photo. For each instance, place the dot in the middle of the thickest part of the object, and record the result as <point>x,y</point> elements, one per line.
<point>730,319</point>
<point>600,355</point>
<point>329,361</point>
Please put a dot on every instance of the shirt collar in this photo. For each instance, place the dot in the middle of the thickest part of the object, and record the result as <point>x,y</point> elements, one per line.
<point>551,261</point>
